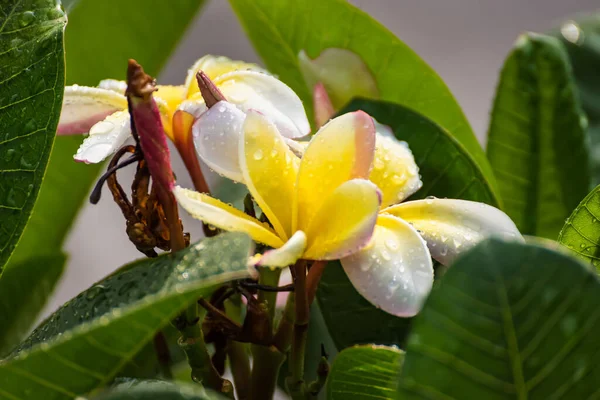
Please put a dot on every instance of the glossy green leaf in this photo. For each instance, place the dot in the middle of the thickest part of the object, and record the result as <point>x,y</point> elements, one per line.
<point>24,289</point>
<point>157,390</point>
<point>31,91</point>
<point>582,41</point>
<point>280,30</point>
<point>146,30</point>
<point>581,232</point>
<point>88,340</point>
<point>537,142</point>
<point>446,170</point>
<point>508,321</point>
<point>363,372</point>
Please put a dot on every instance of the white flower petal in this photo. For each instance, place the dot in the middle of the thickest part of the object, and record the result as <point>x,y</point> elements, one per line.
<point>287,254</point>
<point>213,66</point>
<point>216,137</point>
<point>451,227</point>
<point>268,95</point>
<point>114,85</point>
<point>105,138</point>
<point>194,107</point>
<point>394,272</point>
<point>84,106</point>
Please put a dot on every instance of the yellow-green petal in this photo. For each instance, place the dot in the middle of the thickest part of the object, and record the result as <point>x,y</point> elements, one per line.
<point>340,151</point>
<point>344,223</point>
<point>269,169</point>
<point>214,212</point>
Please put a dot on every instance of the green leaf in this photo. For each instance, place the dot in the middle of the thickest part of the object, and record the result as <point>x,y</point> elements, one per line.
<point>31,91</point>
<point>581,232</point>
<point>537,142</point>
<point>508,321</point>
<point>86,342</point>
<point>582,41</point>
<point>446,170</point>
<point>365,372</point>
<point>67,183</point>
<point>24,289</point>
<point>147,30</point>
<point>157,390</point>
<point>280,30</point>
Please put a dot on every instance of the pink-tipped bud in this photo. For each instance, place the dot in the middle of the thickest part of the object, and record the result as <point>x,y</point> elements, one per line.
<point>148,125</point>
<point>323,107</point>
<point>209,91</point>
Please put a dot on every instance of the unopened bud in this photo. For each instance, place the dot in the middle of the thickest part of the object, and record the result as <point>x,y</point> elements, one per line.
<point>209,91</point>
<point>147,125</point>
<point>323,107</point>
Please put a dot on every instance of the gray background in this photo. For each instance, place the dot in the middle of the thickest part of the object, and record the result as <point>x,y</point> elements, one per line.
<point>464,40</point>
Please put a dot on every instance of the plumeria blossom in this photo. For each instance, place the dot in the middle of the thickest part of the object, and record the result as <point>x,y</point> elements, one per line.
<point>102,111</point>
<point>320,207</point>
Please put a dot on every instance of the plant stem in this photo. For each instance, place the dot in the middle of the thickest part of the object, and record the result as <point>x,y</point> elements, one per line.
<point>296,381</point>
<point>313,278</point>
<point>266,360</point>
<point>240,369</point>
<point>269,277</point>
<point>162,354</point>
<point>192,343</point>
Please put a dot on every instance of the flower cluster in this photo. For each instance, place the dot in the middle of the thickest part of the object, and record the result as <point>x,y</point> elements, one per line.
<point>339,196</point>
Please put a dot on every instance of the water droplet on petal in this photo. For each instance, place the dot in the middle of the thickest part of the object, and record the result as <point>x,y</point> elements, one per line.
<point>258,155</point>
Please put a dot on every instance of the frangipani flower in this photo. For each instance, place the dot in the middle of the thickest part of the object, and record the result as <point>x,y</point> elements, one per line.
<point>320,207</point>
<point>392,268</point>
<point>102,111</point>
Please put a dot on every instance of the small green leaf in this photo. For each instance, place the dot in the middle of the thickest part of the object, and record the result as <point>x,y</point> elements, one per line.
<point>581,232</point>
<point>86,342</point>
<point>537,143</point>
<point>281,29</point>
<point>447,170</point>
<point>157,390</point>
<point>31,92</point>
<point>147,30</point>
<point>582,41</point>
<point>363,372</point>
<point>508,321</point>
<point>24,289</point>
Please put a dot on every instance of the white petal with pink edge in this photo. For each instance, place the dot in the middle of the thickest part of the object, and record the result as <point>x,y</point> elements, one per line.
<point>85,106</point>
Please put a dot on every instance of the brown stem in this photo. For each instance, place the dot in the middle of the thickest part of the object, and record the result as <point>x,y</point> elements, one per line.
<point>313,278</point>
<point>167,199</point>
<point>240,369</point>
<point>163,355</point>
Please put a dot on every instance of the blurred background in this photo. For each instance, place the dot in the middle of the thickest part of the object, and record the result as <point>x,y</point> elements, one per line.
<point>465,41</point>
